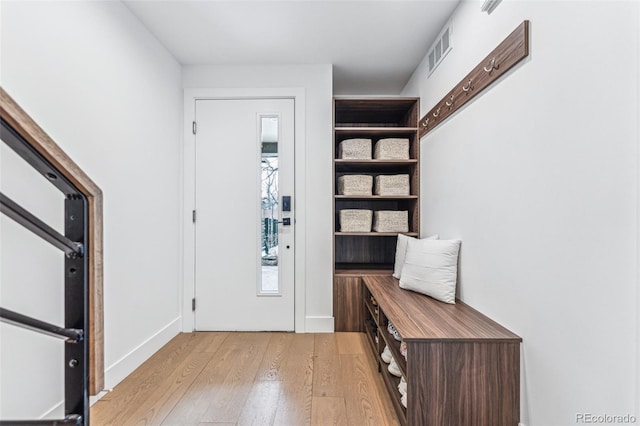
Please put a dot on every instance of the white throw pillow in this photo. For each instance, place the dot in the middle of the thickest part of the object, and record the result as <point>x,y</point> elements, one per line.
<point>431,268</point>
<point>401,250</point>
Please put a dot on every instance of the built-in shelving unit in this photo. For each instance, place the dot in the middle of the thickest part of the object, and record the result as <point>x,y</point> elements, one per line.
<point>361,253</point>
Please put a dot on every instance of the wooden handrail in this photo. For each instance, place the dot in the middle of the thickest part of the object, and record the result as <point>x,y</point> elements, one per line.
<point>22,123</point>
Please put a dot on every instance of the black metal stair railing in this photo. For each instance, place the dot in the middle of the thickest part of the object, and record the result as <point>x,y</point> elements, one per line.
<point>73,243</point>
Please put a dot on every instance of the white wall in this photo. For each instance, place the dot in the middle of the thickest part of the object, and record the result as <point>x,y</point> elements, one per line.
<point>539,178</point>
<point>110,95</point>
<point>313,170</point>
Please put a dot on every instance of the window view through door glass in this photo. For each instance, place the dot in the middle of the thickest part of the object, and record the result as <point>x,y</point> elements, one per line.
<point>270,206</point>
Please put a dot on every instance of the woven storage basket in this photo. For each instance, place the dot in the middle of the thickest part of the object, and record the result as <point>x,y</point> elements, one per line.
<point>392,185</point>
<point>355,149</point>
<point>355,220</point>
<point>355,185</point>
<point>391,221</point>
<point>392,149</point>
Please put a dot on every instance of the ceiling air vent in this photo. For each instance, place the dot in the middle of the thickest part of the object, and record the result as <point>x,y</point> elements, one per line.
<point>440,48</point>
<point>489,5</point>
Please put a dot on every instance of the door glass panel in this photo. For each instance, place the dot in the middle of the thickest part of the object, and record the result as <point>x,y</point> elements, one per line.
<point>269,198</point>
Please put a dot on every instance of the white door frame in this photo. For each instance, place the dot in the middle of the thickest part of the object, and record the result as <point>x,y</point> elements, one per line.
<point>188,184</point>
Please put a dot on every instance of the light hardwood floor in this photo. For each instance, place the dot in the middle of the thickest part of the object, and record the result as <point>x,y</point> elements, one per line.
<point>281,379</point>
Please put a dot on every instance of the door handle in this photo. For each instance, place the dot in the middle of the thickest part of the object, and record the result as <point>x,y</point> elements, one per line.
<point>286,221</point>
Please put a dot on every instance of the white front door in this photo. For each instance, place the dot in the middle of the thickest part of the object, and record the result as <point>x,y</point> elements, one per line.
<point>244,228</point>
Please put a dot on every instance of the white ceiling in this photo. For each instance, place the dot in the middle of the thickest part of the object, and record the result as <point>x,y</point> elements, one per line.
<point>374,45</point>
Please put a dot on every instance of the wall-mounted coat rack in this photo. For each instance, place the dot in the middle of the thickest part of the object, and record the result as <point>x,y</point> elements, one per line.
<point>508,53</point>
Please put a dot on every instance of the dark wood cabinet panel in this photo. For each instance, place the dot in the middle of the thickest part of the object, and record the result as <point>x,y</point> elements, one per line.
<point>376,112</point>
<point>347,309</point>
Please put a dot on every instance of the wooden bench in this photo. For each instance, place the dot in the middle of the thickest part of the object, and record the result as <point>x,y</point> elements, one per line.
<point>462,368</point>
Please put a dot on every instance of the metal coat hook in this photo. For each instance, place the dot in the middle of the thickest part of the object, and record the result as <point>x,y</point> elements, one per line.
<point>449,103</point>
<point>492,65</point>
<point>504,57</point>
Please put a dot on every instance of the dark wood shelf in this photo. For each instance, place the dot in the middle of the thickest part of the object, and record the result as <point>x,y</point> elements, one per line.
<point>374,167</point>
<point>375,131</point>
<point>375,234</point>
<point>375,162</point>
<point>371,333</point>
<point>391,383</point>
<point>373,311</point>
<point>360,269</point>
<point>394,347</point>
<point>376,197</point>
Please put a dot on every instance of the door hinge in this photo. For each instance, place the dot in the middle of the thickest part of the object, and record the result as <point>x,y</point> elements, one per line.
<point>194,127</point>
<point>193,304</point>
<point>193,216</point>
